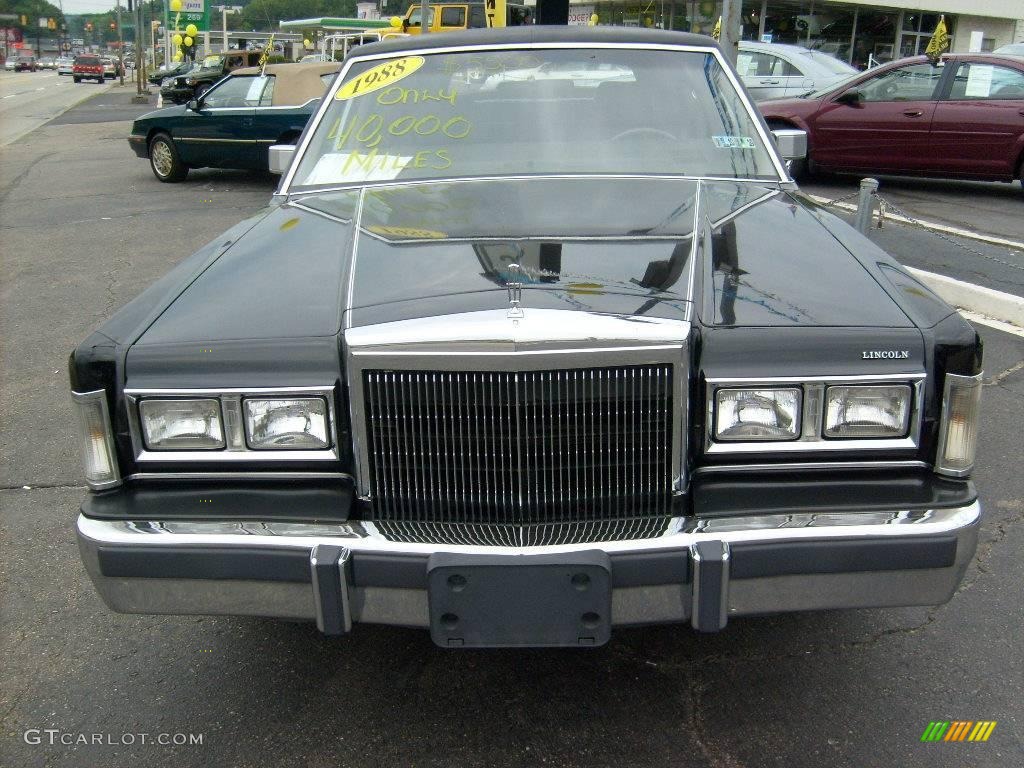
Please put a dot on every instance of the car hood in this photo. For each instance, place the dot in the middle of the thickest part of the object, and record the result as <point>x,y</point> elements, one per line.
<point>158,114</point>
<point>731,253</point>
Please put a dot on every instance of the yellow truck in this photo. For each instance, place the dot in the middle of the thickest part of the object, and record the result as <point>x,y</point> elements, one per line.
<point>449,17</point>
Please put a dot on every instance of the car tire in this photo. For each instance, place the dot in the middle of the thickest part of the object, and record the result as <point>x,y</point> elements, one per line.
<point>164,160</point>
<point>76,79</point>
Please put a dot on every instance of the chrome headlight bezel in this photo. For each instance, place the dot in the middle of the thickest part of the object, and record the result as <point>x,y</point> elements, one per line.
<point>236,447</point>
<point>812,437</point>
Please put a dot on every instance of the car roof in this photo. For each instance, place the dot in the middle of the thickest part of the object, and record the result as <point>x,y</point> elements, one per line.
<point>296,83</point>
<point>753,45</point>
<point>536,34</point>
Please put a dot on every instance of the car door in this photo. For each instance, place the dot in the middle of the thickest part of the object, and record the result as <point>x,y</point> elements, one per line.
<point>886,129</point>
<point>766,75</point>
<point>978,128</point>
<point>271,122</point>
<point>220,133</point>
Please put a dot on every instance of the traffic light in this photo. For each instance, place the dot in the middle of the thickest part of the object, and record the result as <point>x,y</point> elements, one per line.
<point>88,26</point>
<point>113,25</point>
<point>24,19</point>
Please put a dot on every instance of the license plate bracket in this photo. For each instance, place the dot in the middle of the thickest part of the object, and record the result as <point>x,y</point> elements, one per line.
<point>497,601</point>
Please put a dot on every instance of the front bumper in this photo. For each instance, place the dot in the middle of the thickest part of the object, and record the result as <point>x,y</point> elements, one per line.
<point>138,144</point>
<point>698,570</point>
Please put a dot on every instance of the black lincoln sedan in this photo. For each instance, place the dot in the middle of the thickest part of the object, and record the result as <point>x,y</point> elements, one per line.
<point>522,364</point>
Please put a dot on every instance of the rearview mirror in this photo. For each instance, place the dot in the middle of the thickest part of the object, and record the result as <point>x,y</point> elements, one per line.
<point>792,143</point>
<point>193,105</point>
<point>852,97</point>
<point>280,157</point>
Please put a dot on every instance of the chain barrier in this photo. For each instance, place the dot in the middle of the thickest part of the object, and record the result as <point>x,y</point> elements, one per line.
<point>884,205</point>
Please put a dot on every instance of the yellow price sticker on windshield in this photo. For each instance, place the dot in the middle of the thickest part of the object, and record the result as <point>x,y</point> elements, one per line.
<point>379,77</point>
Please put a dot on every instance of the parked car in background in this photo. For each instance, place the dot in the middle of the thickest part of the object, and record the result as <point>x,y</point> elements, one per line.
<point>775,70</point>
<point>234,123</point>
<point>66,65</point>
<point>25,63</point>
<point>169,71</point>
<point>9,64</point>
<point>88,66</point>
<point>200,79</point>
<point>521,369</point>
<point>1015,49</point>
<point>963,118</point>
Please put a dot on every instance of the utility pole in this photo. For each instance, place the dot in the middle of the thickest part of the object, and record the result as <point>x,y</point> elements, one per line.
<point>424,16</point>
<point>120,44</point>
<point>729,40</point>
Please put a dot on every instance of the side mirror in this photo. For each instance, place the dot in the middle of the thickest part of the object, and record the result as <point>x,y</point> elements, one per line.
<point>192,105</point>
<point>852,97</point>
<point>791,142</point>
<point>280,157</point>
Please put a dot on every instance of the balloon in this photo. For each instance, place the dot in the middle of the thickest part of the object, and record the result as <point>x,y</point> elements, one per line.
<point>176,39</point>
<point>593,20</point>
<point>396,22</point>
<point>187,41</point>
<point>306,43</point>
<point>176,5</point>
<point>177,56</point>
<point>191,30</point>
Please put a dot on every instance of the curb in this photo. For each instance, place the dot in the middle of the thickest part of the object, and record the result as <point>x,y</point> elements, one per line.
<point>975,298</point>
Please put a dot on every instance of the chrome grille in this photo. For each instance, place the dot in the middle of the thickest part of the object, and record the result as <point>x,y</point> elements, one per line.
<point>482,534</point>
<point>527,446</point>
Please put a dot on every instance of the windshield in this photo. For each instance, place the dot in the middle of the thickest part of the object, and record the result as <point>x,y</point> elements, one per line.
<point>834,87</point>
<point>213,60</point>
<point>534,112</point>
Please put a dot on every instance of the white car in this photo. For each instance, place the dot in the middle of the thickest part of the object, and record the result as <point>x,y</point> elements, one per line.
<point>109,66</point>
<point>9,64</point>
<point>776,71</point>
<point>65,65</point>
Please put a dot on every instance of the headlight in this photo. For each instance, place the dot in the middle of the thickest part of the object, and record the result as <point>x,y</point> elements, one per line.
<point>182,425</point>
<point>297,423</point>
<point>96,439</point>
<point>190,81</point>
<point>958,430</point>
<point>867,411</point>
<point>757,414</point>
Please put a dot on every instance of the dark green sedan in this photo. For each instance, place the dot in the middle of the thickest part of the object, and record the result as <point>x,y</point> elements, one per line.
<point>234,123</point>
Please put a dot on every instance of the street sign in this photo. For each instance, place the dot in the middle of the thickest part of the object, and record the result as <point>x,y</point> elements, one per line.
<point>194,12</point>
<point>65,46</point>
<point>78,41</point>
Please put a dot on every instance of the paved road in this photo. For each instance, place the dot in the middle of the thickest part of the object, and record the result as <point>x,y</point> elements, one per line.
<point>29,99</point>
<point>833,688</point>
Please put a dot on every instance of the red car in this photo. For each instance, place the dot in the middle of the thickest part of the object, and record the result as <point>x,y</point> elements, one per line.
<point>962,118</point>
<point>88,66</point>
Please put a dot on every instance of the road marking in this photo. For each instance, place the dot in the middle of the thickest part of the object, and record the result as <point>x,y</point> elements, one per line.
<point>932,225</point>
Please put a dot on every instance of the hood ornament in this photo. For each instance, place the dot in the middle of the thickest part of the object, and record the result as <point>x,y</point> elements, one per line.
<point>515,294</point>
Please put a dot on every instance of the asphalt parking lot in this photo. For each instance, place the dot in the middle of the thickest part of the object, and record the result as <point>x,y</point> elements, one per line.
<point>84,228</point>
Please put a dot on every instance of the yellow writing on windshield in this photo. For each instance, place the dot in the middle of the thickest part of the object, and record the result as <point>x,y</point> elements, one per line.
<point>379,77</point>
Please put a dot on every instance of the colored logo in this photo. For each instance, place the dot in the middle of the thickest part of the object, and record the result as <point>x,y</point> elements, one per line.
<point>958,730</point>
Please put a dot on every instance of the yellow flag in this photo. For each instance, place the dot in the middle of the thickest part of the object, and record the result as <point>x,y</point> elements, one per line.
<point>266,54</point>
<point>939,43</point>
<point>717,31</point>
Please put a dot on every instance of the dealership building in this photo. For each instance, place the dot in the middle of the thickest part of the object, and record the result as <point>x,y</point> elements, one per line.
<point>856,31</point>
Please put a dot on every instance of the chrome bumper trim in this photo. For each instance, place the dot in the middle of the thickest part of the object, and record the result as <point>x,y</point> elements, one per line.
<point>714,592</point>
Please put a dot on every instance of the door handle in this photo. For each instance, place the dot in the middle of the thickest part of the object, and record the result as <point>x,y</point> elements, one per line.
<point>913,112</point>
<point>769,82</point>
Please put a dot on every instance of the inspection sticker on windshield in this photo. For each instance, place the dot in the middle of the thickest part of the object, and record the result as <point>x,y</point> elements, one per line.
<point>733,142</point>
<point>379,77</point>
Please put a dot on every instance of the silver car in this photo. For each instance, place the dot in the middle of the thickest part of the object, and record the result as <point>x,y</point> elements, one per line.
<point>775,71</point>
